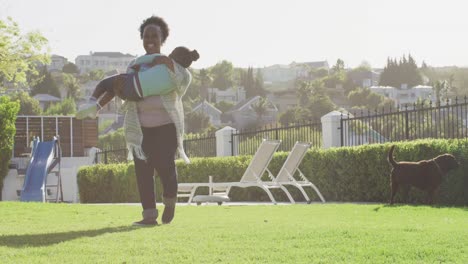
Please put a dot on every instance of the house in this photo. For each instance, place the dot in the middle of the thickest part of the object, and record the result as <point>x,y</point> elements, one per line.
<point>284,100</point>
<point>105,61</point>
<point>405,95</point>
<point>285,73</point>
<point>56,63</point>
<point>211,111</point>
<point>45,100</point>
<point>231,95</point>
<point>364,79</point>
<point>244,115</point>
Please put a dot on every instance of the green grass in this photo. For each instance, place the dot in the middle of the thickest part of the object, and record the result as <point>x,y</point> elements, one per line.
<point>330,233</point>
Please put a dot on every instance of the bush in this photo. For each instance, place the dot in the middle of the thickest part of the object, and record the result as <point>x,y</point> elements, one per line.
<point>346,174</point>
<point>8,112</point>
<point>114,140</point>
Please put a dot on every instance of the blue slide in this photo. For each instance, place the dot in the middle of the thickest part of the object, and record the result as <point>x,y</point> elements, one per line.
<point>43,159</point>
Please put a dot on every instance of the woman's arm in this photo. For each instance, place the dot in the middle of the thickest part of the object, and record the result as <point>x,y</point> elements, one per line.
<point>159,60</point>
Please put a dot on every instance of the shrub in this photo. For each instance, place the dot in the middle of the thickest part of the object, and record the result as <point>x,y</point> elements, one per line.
<point>346,174</point>
<point>8,112</point>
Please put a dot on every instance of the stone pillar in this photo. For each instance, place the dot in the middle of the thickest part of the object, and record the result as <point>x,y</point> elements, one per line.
<point>331,133</point>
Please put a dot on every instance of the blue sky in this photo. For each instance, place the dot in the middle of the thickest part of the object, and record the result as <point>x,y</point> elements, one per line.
<point>258,32</point>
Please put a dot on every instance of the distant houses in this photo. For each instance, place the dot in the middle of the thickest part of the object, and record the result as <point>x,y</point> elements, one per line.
<point>284,73</point>
<point>105,61</point>
<point>405,95</point>
<point>45,100</point>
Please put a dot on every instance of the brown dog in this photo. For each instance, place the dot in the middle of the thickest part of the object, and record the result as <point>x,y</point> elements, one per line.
<point>426,174</point>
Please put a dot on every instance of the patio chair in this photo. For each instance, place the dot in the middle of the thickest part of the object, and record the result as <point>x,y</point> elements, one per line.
<point>286,174</point>
<point>251,178</point>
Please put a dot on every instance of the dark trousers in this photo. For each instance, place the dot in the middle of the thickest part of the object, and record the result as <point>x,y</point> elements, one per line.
<point>159,145</point>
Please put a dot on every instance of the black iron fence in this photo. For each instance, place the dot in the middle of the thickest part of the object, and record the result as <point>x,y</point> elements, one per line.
<point>448,119</point>
<point>423,120</point>
<point>116,155</point>
<point>200,145</point>
<point>247,141</point>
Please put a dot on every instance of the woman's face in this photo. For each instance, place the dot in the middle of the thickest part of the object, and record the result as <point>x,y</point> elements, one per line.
<point>152,39</point>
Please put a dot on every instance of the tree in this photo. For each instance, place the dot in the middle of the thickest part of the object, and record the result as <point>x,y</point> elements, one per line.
<point>96,75</point>
<point>66,107</point>
<point>260,108</point>
<point>197,122</point>
<point>405,71</point>
<point>288,117</point>
<point>439,88</point>
<point>303,91</point>
<point>72,86</point>
<point>28,105</point>
<point>46,85</point>
<point>70,68</point>
<point>247,81</point>
<point>205,82</point>
<point>20,53</point>
<point>222,75</point>
<point>224,106</point>
<point>339,66</point>
<point>319,106</point>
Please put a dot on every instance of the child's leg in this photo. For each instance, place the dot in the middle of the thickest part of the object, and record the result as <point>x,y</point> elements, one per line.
<point>105,99</point>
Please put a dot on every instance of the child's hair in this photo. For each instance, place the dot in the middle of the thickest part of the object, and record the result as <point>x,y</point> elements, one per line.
<point>184,56</point>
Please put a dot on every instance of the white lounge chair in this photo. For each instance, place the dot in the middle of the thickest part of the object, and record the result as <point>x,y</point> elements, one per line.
<point>251,178</point>
<point>286,174</point>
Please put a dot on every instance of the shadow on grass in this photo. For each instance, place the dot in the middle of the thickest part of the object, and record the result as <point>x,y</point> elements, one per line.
<point>40,240</point>
<point>441,206</point>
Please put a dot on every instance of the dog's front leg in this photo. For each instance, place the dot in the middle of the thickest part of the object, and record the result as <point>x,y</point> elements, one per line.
<point>394,186</point>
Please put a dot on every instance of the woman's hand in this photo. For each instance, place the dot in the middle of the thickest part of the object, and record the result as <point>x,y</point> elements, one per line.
<point>158,60</point>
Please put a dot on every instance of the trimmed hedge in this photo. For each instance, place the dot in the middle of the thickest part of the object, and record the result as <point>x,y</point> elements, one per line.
<point>8,111</point>
<point>346,174</point>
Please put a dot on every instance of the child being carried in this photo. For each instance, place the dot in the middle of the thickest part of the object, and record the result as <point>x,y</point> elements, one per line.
<point>149,78</point>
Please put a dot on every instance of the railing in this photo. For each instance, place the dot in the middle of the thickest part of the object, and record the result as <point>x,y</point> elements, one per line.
<point>200,145</point>
<point>247,141</point>
<point>417,121</point>
<point>117,155</point>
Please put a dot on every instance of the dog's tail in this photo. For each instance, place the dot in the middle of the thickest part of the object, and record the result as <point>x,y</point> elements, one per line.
<point>390,156</point>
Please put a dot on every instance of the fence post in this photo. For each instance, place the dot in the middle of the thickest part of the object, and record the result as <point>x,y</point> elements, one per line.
<point>331,129</point>
<point>406,124</point>
<point>224,145</point>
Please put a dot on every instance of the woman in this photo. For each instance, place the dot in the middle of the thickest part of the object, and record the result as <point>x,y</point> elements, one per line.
<point>154,129</point>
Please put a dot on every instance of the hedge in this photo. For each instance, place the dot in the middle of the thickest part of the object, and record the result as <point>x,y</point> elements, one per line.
<point>8,111</point>
<point>346,174</point>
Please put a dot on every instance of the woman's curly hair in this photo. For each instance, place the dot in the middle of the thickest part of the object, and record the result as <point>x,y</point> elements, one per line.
<point>154,20</point>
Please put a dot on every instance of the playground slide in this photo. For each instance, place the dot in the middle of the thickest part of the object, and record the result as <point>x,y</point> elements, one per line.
<point>36,175</point>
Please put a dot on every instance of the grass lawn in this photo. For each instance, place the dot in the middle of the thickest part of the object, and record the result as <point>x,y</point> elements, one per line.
<point>330,233</point>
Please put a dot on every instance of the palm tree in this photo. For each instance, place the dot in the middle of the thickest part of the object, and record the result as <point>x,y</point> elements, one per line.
<point>303,92</point>
<point>72,85</point>
<point>439,87</point>
<point>205,82</point>
<point>260,108</point>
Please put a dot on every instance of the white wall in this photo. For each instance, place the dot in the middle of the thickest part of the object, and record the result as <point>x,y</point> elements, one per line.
<point>69,169</point>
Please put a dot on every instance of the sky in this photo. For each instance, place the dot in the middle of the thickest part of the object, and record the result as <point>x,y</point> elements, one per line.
<point>257,33</point>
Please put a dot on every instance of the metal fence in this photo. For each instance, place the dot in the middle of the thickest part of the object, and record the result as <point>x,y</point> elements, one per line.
<point>423,120</point>
<point>117,155</point>
<point>247,141</point>
<point>200,145</point>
